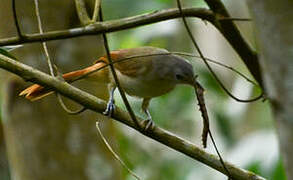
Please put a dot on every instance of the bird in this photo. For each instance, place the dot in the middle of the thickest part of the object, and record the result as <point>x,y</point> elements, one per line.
<point>143,72</point>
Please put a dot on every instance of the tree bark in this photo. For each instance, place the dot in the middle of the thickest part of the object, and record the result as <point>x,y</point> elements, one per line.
<point>274,25</point>
<point>43,142</point>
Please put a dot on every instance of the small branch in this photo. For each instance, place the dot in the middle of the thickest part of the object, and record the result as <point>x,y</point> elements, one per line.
<point>234,19</point>
<point>218,7</point>
<point>82,12</point>
<point>60,100</point>
<point>97,105</point>
<point>96,10</point>
<point>234,37</point>
<point>207,64</point>
<point>113,153</point>
<point>20,36</point>
<point>112,26</point>
<point>219,64</point>
<point>46,52</point>
<point>50,65</point>
<point>66,109</point>
<point>168,53</point>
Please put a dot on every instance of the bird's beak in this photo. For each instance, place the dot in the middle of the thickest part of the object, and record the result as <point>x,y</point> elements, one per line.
<point>193,80</point>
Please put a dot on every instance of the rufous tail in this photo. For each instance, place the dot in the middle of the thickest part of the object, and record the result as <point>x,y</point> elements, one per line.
<point>36,92</point>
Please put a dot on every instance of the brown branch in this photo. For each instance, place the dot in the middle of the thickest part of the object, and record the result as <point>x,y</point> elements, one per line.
<point>96,10</point>
<point>112,26</point>
<point>234,19</point>
<point>44,44</point>
<point>207,64</point>
<point>20,36</point>
<point>233,35</point>
<point>82,13</point>
<point>219,64</point>
<point>97,105</point>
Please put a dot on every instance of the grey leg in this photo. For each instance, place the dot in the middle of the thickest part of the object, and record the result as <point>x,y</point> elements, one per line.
<point>148,123</point>
<point>111,103</point>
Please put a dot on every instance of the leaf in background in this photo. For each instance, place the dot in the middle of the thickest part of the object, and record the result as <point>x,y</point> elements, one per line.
<point>11,48</point>
<point>279,173</point>
<point>5,50</point>
<point>255,167</point>
<point>225,126</point>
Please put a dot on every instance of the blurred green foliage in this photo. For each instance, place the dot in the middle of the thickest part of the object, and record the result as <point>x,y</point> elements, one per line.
<point>276,172</point>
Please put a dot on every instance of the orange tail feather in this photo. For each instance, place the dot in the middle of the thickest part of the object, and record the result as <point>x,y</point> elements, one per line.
<point>36,91</point>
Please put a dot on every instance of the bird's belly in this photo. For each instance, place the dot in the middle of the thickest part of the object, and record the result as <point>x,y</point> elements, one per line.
<point>145,87</point>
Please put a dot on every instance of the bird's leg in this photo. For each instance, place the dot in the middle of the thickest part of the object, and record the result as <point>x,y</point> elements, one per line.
<point>148,124</point>
<point>111,103</point>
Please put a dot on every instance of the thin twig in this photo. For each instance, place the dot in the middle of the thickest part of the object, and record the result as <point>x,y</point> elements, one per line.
<point>20,36</point>
<point>81,12</point>
<point>124,98</point>
<point>163,54</point>
<point>96,10</point>
<point>60,100</point>
<point>200,92</point>
<point>209,67</point>
<point>50,65</point>
<point>219,154</point>
<point>234,19</point>
<point>69,111</point>
<point>43,43</point>
<point>112,25</point>
<point>220,64</point>
<point>113,153</point>
<point>236,40</point>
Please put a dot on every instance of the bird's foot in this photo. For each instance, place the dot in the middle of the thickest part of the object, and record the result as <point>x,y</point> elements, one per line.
<point>147,125</point>
<point>110,109</point>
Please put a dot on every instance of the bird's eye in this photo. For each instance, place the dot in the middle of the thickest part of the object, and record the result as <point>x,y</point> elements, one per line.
<point>179,77</point>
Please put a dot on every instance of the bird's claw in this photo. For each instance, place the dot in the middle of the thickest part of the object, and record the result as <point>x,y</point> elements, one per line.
<point>147,125</point>
<point>110,109</point>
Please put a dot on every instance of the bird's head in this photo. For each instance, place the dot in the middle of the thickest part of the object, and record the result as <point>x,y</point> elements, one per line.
<point>183,72</point>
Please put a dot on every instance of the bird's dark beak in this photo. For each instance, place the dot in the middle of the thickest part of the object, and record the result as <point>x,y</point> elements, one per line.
<point>196,84</point>
<point>193,80</point>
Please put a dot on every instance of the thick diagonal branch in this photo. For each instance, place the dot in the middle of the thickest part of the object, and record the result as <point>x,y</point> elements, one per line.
<point>234,37</point>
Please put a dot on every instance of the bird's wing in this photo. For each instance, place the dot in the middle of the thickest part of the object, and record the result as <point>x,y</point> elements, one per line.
<point>130,61</point>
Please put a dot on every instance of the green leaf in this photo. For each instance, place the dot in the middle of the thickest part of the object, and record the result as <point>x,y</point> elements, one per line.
<point>279,172</point>
<point>11,47</point>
